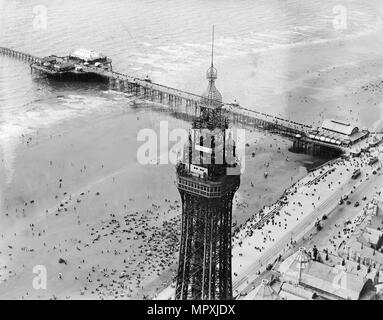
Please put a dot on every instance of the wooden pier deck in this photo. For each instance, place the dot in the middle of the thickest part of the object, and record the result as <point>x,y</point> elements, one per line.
<point>182,101</point>
<point>19,55</point>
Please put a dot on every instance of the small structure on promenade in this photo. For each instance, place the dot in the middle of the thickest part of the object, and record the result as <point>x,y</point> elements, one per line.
<point>263,292</point>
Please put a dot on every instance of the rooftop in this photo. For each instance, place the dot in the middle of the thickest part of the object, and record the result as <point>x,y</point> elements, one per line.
<point>263,292</point>
<point>333,282</point>
<point>340,127</point>
<point>87,55</point>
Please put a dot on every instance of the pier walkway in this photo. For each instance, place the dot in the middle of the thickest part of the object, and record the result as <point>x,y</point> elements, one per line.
<point>19,55</point>
<point>171,96</point>
<point>186,102</point>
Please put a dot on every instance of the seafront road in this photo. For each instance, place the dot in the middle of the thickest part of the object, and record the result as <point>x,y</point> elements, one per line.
<point>250,274</point>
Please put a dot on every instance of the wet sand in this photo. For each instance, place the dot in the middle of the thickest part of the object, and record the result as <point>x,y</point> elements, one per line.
<point>79,194</point>
<point>308,82</point>
<point>344,82</point>
<point>96,156</point>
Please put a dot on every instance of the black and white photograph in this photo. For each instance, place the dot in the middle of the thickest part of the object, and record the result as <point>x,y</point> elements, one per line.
<point>200,150</point>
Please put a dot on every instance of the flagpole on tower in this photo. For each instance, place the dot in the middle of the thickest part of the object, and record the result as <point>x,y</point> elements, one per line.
<point>212,46</point>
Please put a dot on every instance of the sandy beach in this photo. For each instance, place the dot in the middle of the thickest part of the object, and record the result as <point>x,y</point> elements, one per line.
<point>103,225</point>
<point>77,190</point>
<point>73,197</point>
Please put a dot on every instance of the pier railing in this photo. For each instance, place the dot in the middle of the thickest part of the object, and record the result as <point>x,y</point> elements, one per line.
<point>172,96</point>
<point>19,55</point>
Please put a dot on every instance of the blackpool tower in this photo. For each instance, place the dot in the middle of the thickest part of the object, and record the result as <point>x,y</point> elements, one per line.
<point>207,179</point>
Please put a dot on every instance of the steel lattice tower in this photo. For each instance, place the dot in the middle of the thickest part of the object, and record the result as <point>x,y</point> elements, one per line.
<point>207,187</point>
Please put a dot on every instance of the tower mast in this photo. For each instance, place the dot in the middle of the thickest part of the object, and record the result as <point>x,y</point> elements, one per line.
<point>207,190</point>
<point>212,46</point>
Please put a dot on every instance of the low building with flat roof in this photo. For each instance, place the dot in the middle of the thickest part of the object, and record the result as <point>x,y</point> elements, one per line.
<point>292,292</point>
<point>338,133</point>
<point>87,55</point>
<point>341,127</point>
<point>334,283</point>
<point>364,245</point>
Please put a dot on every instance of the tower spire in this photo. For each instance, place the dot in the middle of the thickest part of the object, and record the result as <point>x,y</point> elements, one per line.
<point>212,46</point>
<point>211,96</point>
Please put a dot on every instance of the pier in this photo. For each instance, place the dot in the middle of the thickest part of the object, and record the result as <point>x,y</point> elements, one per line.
<point>19,55</point>
<point>189,103</point>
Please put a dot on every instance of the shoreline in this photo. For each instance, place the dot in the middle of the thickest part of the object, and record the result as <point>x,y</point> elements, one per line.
<point>99,177</point>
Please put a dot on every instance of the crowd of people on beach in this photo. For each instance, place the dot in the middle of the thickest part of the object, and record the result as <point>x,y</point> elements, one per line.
<point>144,244</point>
<point>145,241</point>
